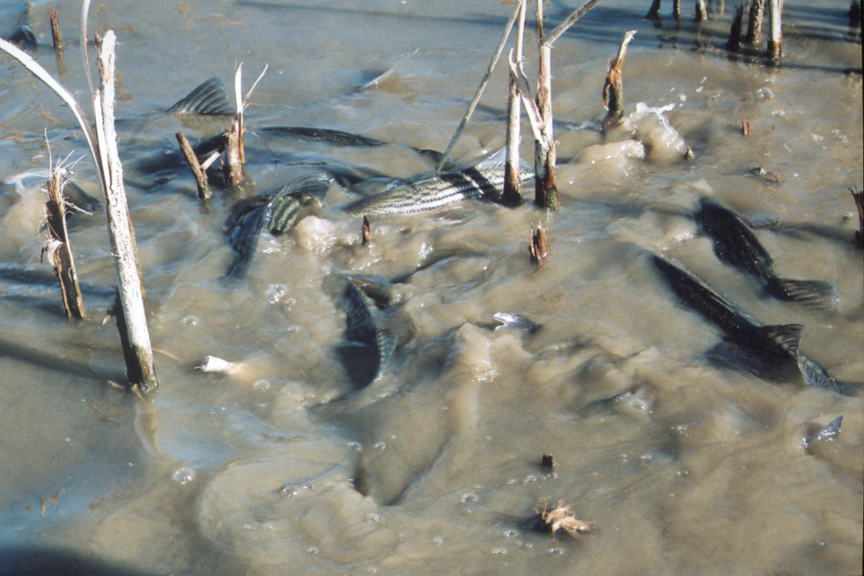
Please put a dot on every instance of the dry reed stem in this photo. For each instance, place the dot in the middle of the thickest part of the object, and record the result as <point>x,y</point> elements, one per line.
<point>613,89</point>
<point>58,246</point>
<point>512,192</point>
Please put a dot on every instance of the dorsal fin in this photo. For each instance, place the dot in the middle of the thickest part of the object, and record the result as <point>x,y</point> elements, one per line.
<point>209,99</point>
<point>787,336</point>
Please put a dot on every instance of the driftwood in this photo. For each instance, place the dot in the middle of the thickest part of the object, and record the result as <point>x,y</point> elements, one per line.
<point>134,333</point>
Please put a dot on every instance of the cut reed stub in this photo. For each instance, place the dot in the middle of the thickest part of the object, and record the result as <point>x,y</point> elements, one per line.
<point>366,231</point>
<point>57,247</point>
<point>199,172</point>
<point>538,248</point>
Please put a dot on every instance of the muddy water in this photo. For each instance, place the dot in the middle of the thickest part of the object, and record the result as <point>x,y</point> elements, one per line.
<point>282,467</point>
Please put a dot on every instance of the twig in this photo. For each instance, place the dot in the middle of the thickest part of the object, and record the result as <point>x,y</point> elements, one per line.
<point>192,159</point>
<point>572,19</point>
<point>480,88</point>
<point>56,35</point>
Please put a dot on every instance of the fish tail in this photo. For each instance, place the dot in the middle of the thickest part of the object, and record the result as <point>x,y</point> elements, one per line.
<point>810,293</point>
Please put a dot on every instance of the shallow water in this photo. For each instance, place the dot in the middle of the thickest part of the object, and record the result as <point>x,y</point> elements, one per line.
<point>282,467</point>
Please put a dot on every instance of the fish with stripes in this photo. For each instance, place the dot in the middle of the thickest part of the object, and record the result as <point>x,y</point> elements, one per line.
<point>482,180</point>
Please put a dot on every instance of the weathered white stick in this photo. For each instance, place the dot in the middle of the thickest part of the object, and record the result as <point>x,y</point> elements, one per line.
<point>480,88</point>
<point>120,227</point>
<point>775,44</point>
<point>512,192</point>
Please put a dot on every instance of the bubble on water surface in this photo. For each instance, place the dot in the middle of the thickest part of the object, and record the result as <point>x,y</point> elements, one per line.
<point>183,476</point>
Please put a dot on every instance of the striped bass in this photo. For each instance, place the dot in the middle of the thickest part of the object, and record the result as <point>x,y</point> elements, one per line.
<point>483,180</point>
<point>768,351</point>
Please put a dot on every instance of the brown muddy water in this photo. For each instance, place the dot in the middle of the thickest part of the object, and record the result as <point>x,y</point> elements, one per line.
<point>282,467</point>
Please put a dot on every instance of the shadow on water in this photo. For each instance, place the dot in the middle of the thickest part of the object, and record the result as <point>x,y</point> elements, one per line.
<point>58,562</point>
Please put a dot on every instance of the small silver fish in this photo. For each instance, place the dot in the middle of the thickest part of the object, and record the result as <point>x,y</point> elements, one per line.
<point>481,180</point>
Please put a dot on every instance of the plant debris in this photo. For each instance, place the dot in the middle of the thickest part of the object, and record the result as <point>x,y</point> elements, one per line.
<point>561,519</point>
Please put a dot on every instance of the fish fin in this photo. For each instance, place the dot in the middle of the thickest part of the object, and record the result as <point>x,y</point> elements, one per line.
<point>787,336</point>
<point>827,432</point>
<point>387,341</point>
<point>209,98</point>
<point>816,376</point>
<point>498,160</point>
<point>513,320</point>
<point>243,237</point>
<point>310,185</point>
<point>810,293</point>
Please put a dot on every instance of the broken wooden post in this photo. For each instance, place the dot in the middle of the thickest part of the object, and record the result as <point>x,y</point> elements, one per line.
<point>775,43</point>
<point>538,249</point>
<point>233,166</point>
<point>136,336</point>
<point>613,89</point>
<point>734,43</point>
<point>366,231</point>
<point>58,247</point>
<point>701,11</point>
<point>545,189</point>
<point>197,170</point>
<point>56,36</point>
<point>512,192</point>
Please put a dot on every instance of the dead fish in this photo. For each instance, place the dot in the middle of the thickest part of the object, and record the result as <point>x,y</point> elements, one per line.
<point>273,212</point>
<point>513,320</point>
<point>209,98</point>
<point>483,180</point>
<point>768,351</point>
<point>736,245</point>
<point>367,348</point>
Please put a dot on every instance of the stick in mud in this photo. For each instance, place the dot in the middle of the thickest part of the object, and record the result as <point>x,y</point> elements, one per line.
<point>734,43</point>
<point>676,9</point>
<point>233,166</point>
<point>56,36</point>
<point>613,89</point>
<point>858,197</point>
<point>480,88</point>
<point>546,189</point>
<point>366,231</point>
<point>701,11</point>
<point>512,192</point>
<point>58,249</point>
<point>775,43</point>
<point>754,24</point>
<point>135,335</point>
<point>192,159</point>
<point>538,248</point>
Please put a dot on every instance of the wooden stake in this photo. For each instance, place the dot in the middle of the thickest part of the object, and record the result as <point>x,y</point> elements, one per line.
<point>538,248</point>
<point>135,335</point>
<point>192,159</point>
<point>754,24</point>
<point>512,192</point>
<point>58,249</point>
<point>734,43</point>
<point>775,44</point>
<point>233,166</point>
<point>366,231</point>
<point>613,90</point>
<point>701,11</point>
<point>56,36</point>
